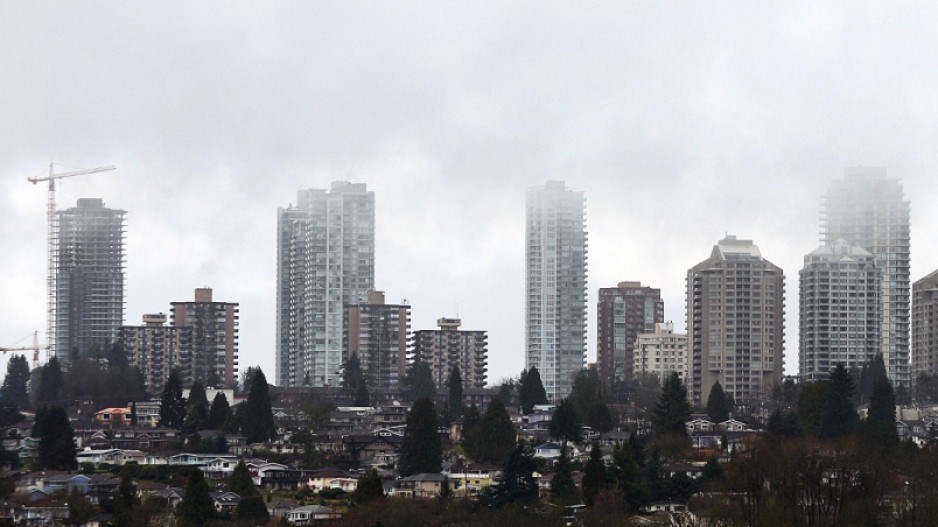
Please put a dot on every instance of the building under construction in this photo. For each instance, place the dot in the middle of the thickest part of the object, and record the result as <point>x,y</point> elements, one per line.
<point>88,262</point>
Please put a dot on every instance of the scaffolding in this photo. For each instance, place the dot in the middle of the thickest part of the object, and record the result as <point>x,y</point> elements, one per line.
<point>52,247</point>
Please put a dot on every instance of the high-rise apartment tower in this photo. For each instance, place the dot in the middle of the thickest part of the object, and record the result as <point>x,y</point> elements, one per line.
<point>839,318</point>
<point>555,285</point>
<point>624,312</point>
<point>378,334</point>
<point>449,346</point>
<point>869,210</point>
<point>735,322</point>
<point>325,261</point>
<point>208,340</point>
<point>662,352</point>
<point>925,325</point>
<point>89,283</point>
<point>153,349</point>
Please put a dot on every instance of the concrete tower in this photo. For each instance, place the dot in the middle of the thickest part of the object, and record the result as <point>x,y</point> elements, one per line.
<point>449,346</point>
<point>735,322</point>
<point>89,269</point>
<point>925,325</point>
<point>839,319</point>
<point>869,210</point>
<point>624,312</point>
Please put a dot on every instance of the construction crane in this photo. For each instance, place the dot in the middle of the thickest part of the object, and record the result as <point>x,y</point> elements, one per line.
<point>51,247</point>
<point>34,348</point>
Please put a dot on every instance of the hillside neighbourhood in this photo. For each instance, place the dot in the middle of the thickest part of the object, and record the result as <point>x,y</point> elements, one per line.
<point>834,452</point>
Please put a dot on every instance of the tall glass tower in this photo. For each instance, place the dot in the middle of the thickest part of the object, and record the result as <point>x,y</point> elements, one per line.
<point>325,261</point>
<point>869,210</point>
<point>555,285</point>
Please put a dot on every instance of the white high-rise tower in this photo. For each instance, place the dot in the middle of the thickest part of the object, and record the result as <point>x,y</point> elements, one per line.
<point>326,260</point>
<point>555,285</point>
<point>869,210</point>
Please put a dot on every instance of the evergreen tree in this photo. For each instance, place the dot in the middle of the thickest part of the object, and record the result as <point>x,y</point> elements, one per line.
<point>50,383</point>
<point>599,417</point>
<point>507,391</point>
<point>220,412</point>
<point>562,488</point>
<point>587,389</point>
<point>868,375</point>
<point>594,476</point>
<point>258,425</point>
<point>56,440</point>
<point>8,458</point>
<point>125,502</point>
<point>718,404</point>
<point>362,397</point>
<point>247,379</point>
<point>812,407</point>
<point>421,449</point>
<point>672,410</point>
<point>240,481</point>
<point>39,422</point>
<point>712,471</point>
<point>352,374</point>
<point>251,506</point>
<point>172,404</point>
<point>783,424</point>
<point>470,424</point>
<point>369,488</point>
<point>628,477</point>
<point>353,378</point>
<point>454,407</point>
<point>197,509</point>
<point>15,390</point>
<point>495,435</point>
<point>80,510</point>
<point>419,381</point>
<point>840,416</point>
<point>196,408</point>
<point>518,485</point>
<point>532,390</point>
<point>565,423</point>
<point>880,425</point>
<point>116,355</point>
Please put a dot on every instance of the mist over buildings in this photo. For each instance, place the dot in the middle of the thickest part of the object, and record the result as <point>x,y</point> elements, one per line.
<point>680,123</point>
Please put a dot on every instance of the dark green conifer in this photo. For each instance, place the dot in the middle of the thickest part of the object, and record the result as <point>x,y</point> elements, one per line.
<point>421,449</point>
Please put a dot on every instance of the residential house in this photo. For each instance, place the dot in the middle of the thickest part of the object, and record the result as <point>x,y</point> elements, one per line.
<point>310,514</point>
<point>113,417</point>
<point>551,450</point>
<point>424,485</point>
<point>372,450</point>
<point>110,456</point>
<point>225,501</point>
<point>470,478</point>
<point>331,478</point>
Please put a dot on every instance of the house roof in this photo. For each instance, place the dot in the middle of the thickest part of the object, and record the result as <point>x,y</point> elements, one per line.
<point>314,509</point>
<point>425,476</point>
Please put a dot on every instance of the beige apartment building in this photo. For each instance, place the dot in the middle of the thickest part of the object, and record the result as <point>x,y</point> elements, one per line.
<point>735,322</point>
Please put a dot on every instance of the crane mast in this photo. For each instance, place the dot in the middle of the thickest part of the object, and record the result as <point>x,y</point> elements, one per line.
<point>34,348</point>
<point>52,246</point>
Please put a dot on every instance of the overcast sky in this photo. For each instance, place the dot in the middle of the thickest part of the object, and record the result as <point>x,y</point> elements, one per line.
<point>681,122</point>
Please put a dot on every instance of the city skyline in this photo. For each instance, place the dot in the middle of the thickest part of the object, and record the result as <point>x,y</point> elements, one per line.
<point>679,124</point>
